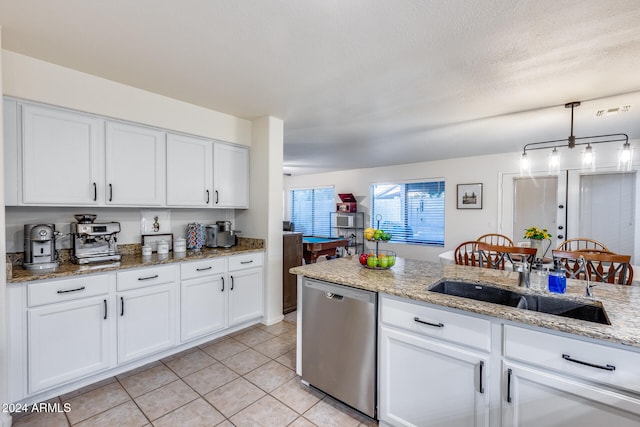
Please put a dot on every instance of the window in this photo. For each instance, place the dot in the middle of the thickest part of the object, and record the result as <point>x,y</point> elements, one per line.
<point>411,212</point>
<point>311,210</point>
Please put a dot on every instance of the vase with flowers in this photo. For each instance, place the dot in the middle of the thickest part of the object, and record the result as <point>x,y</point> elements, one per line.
<point>536,236</point>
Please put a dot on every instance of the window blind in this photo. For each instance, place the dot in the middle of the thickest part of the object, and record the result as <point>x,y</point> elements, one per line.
<point>311,210</point>
<point>411,212</point>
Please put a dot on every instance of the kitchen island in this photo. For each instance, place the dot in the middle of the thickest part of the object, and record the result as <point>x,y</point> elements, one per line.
<point>448,360</point>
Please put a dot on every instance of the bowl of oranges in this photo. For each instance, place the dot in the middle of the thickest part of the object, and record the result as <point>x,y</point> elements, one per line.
<point>376,235</point>
<point>384,260</point>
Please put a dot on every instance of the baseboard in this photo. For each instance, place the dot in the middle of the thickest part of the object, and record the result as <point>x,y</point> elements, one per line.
<point>272,320</point>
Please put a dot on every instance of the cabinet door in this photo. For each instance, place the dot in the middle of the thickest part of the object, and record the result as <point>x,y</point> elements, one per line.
<point>68,341</point>
<point>430,383</point>
<point>135,165</point>
<point>146,321</point>
<point>10,133</point>
<point>203,306</point>
<point>189,171</point>
<point>537,398</point>
<point>230,176</point>
<point>62,157</point>
<point>245,295</point>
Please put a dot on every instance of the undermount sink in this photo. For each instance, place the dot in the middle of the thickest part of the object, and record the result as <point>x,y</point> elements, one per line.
<point>545,304</point>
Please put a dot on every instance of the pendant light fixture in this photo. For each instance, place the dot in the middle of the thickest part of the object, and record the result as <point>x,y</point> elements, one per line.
<point>625,153</point>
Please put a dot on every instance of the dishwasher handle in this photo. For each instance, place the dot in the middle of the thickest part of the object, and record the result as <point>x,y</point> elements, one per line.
<point>344,292</point>
<point>331,295</point>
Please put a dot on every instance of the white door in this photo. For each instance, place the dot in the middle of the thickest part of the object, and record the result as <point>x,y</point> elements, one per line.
<point>230,176</point>
<point>430,383</point>
<point>537,200</point>
<point>62,157</point>
<point>146,321</point>
<point>203,306</point>
<point>189,171</point>
<point>537,398</point>
<point>68,341</point>
<point>135,165</point>
<point>602,206</point>
<point>245,295</point>
<point>11,141</point>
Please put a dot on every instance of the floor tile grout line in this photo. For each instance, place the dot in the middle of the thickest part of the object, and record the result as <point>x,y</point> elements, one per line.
<point>133,399</point>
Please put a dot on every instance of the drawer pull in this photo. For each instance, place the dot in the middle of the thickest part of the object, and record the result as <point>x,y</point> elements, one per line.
<point>437,325</point>
<point>246,262</point>
<point>509,372</point>
<point>593,365</point>
<point>155,276</point>
<point>105,309</point>
<point>481,386</point>
<point>81,288</point>
<point>204,268</point>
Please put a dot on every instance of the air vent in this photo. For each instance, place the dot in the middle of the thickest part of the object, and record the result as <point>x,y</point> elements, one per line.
<point>613,110</point>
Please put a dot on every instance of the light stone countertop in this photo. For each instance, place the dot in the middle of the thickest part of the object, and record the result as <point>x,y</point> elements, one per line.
<point>410,279</point>
<point>135,260</point>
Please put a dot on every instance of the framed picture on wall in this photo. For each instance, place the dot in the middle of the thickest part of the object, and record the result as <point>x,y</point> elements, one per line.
<point>469,196</point>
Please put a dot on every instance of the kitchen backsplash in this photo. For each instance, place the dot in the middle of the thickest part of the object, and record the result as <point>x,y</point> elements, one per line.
<point>129,219</point>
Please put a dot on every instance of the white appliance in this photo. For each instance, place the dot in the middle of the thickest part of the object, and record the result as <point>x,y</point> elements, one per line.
<point>344,220</point>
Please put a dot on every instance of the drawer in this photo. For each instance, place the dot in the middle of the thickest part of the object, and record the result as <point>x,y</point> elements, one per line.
<point>610,365</point>
<point>143,277</point>
<point>239,262</point>
<point>53,291</point>
<point>191,270</point>
<point>437,323</point>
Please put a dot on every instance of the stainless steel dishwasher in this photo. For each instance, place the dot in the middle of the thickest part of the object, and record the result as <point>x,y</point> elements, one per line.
<point>339,339</point>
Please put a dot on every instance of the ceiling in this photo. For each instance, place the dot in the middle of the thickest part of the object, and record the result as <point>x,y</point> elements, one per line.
<point>360,83</point>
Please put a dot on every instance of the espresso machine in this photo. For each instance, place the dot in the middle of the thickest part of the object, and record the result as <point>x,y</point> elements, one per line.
<point>40,247</point>
<point>94,241</point>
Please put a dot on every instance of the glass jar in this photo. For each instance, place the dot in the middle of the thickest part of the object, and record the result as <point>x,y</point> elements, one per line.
<point>539,277</point>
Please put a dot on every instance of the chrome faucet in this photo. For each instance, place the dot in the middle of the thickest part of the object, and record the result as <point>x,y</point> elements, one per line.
<point>583,266</point>
<point>523,274</point>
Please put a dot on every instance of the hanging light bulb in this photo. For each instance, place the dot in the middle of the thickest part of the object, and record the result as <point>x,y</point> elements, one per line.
<point>524,164</point>
<point>625,157</point>
<point>589,157</point>
<point>554,161</point>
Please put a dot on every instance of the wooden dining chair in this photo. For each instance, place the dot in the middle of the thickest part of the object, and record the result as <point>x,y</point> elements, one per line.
<point>600,267</point>
<point>495,239</point>
<point>467,254</point>
<point>581,244</point>
<point>496,256</point>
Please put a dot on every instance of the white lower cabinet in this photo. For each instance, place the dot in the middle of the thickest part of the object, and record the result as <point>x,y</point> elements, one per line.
<point>245,288</point>
<point>147,311</point>
<point>203,306</point>
<point>535,397</point>
<point>69,330</point>
<point>430,382</point>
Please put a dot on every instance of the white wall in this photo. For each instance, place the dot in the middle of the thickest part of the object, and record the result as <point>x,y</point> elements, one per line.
<point>264,219</point>
<point>36,80</point>
<point>460,225</point>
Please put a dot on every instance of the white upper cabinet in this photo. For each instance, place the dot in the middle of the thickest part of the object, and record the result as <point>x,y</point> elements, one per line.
<point>10,117</point>
<point>230,176</point>
<point>62,157</point>
<point>189,171</point>
<point>135,164</point>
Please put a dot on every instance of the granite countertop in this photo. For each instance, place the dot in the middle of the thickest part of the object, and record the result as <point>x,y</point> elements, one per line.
<point>410,279</point>
<point>133,260</point>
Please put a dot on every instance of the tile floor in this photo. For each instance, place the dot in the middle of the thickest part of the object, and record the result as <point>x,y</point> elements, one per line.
<point>245,379</point>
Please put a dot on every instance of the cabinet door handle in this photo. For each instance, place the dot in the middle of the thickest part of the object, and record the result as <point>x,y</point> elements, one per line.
<point>592,365</point>
<point>81,288</point>
<point>216,197</point>
<point>207,196</point>
<point>481,386</point>
<point>110,192</point>
<point>95,192</point>
<point>437,325</point>
<point>246,262</point>
<point>509,372</point>
<point>222,290</point>
<point>231,282</point>
<point>155,276</point>
<point>121,306</point>
<point>204,268</point>
<point>105,309</point>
